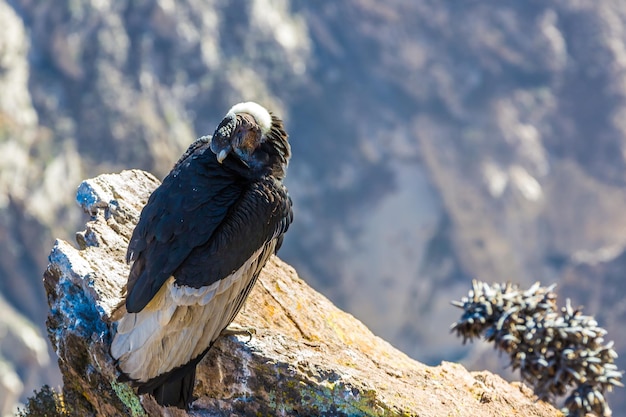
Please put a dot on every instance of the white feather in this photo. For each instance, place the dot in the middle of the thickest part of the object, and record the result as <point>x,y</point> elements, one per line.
<point>165,315</point>
<point>260,114</point>
<point>179,323</point>
<point>208,296</point>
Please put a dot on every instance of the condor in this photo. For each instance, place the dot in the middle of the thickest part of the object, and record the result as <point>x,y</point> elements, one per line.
<point>198,248</point>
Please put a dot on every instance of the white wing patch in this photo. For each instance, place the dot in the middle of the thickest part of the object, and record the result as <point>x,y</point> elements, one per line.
<point>180,322</point>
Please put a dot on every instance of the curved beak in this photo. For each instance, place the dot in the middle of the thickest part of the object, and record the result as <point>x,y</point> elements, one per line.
<point>222,155</point>
<point>221,140</point>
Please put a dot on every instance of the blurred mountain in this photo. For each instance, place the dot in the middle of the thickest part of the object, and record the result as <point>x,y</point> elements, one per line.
<point>433,142</point>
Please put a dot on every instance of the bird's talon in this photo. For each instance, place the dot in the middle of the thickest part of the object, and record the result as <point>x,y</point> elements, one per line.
<point>234,330</point>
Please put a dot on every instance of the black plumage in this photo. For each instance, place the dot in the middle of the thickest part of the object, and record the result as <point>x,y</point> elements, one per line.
<point>198,248</point>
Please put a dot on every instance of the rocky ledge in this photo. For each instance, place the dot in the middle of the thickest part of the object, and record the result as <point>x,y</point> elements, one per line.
<point>306,356</point>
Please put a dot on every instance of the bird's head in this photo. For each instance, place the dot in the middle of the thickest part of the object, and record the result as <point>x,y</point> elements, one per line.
<point>251,136</point>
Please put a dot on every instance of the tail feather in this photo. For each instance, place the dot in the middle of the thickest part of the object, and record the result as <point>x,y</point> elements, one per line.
<point>174,388</point>
<point>174,392</point>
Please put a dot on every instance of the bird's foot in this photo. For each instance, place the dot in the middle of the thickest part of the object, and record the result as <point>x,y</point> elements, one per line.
<point>236,330</point>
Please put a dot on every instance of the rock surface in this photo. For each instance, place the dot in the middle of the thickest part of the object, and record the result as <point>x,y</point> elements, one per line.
<point>434,142</point>
<point>306,358</point>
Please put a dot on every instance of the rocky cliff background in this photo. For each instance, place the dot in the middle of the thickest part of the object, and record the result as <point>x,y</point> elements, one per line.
<point>434,142</point>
